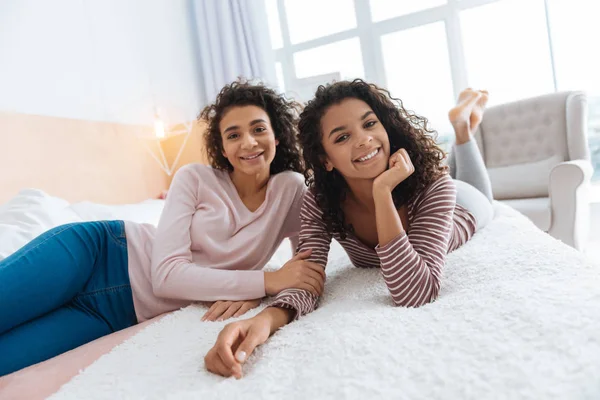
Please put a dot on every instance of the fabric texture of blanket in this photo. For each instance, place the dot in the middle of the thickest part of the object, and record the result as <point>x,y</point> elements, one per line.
<point>518,317</point>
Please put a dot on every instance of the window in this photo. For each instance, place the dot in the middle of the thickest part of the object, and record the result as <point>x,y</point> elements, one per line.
<point>343,57</point>
<point>515,64</point>
<point>572,23</point>
<point>418,72</point>
<point>311,19</point>
<point>280,78</point>
<point>385,9</point>
<point>425,52</point>
<point>274,24</point>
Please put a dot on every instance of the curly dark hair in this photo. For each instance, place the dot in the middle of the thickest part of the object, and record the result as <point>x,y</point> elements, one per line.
<point>404,128</point>
<point>283,114</point>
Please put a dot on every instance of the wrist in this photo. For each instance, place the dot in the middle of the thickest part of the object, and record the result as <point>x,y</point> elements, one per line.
<point>268,277</point>
<point>276,317</point>
<point>380,190</point>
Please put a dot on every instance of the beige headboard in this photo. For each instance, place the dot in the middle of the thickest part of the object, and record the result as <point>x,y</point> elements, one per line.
<point>83,160</point>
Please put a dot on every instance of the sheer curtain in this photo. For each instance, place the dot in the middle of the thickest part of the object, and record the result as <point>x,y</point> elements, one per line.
<point>232,41</point>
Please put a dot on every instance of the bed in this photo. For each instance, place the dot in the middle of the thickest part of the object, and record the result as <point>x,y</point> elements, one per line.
<point>81,170</point>
<point>518,317</point>
<point>23,217</point>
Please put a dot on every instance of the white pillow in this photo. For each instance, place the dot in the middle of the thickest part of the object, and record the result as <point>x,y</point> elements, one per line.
<point>32,212</point>
<point>145,212</point>
<point>27,215</point>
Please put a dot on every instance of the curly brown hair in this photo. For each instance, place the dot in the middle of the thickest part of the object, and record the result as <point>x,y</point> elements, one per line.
<point>283,114</point>
<point>404,129</point>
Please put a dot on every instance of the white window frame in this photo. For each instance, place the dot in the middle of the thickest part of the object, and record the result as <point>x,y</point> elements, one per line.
<point>370,33</point>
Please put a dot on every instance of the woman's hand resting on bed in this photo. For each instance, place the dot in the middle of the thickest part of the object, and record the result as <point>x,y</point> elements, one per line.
<point>222,310</point>
<point>297,273</point>
<point>237,341</point>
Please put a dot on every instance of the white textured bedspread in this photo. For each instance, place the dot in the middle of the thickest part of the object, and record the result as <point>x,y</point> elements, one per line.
<point>518,317</point>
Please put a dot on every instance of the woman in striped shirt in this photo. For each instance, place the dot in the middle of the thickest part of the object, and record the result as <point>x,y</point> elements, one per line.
<point>378,186</point>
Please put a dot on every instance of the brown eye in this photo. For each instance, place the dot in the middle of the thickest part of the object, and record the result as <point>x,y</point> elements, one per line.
<point>342,138</point>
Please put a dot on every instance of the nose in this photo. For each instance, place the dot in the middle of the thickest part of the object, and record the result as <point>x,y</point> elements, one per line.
<point>248,142</point>
<point>364,139</point>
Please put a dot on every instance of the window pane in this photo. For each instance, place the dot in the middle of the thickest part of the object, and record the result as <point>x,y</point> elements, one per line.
<point>311,19</point>
<point>417,70</point>
<point>386,9</point>
<point>343,57</point>
<point>280,79</point>
<point>577,66</point>
<point>506,49</point>
<point>594,134</point>
<point>274,25</point>
<point>573,23</point>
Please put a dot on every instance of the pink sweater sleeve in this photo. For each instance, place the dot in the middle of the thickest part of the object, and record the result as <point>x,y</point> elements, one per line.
<point>314,236</point>
<point>412,263</point>
<point>174,274</point>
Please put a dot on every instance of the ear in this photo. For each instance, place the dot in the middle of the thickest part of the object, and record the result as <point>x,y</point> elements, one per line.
<point>276,142</point>
<point>328,166</point>
<point>223,152</point>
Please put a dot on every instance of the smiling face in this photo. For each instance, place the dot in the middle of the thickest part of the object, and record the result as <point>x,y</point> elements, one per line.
<point>248,139</point>
<point>355,142</point>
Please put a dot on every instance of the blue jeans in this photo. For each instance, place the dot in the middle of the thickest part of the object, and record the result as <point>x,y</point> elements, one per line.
<point>65,288</point>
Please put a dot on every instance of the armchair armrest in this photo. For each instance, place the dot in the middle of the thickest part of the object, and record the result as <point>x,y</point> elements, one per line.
<point>570,202</point>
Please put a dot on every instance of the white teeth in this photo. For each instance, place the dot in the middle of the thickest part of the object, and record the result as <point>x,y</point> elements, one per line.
<point>369,156</point>
<point>251,157</point>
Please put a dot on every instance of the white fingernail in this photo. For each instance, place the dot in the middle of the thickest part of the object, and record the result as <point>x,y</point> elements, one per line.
<point>241,356</point>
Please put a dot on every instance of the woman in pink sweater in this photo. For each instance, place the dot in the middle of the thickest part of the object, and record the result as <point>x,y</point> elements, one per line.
<point>219,227</point>
<point>377,186</point>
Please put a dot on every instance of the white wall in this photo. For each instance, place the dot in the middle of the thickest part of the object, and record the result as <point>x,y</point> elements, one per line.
<point>103,60</point>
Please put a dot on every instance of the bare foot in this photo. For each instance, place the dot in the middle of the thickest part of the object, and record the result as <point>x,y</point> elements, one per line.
<point>477,113</point>
<point>460,116</point>
<point>466,101</point>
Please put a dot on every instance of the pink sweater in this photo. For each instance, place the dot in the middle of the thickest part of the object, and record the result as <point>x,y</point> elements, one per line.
<point>411,264</point>
<point>208,246</point>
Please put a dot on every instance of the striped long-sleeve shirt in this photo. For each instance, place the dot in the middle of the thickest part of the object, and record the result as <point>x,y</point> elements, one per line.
<point>411,264</point>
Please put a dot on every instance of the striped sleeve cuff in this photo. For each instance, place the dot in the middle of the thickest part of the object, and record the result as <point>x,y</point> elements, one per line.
<point>395,243</point>
<point>397,249</point>
<point>301,301</point>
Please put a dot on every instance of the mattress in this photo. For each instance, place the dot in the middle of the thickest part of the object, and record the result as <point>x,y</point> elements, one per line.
<point>517,318</point>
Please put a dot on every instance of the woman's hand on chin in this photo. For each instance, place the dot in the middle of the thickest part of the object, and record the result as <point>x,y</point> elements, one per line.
<point>400,168</point>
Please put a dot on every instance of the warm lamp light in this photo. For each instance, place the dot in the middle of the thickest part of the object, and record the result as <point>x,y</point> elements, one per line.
<point>159,127</point>
<point>163,133</point>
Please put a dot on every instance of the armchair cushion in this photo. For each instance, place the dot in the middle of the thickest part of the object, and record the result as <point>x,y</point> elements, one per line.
<point>532,179</point>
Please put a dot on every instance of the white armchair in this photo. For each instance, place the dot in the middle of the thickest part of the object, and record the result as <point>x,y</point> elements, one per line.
<point>538,160</point>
